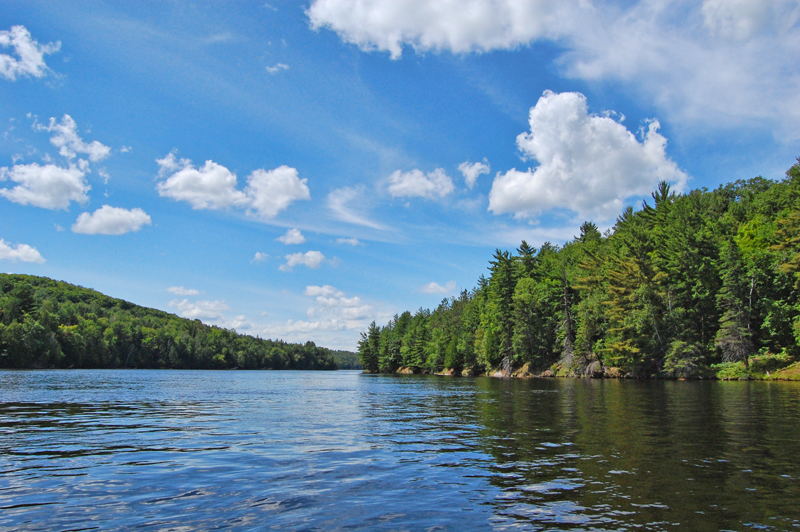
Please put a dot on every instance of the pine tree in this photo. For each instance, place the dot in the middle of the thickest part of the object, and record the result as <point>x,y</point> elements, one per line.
<point>369,348</point>
<point>734,337</point>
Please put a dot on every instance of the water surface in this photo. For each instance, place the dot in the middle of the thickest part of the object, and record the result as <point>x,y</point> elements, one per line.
<point>207,450</point>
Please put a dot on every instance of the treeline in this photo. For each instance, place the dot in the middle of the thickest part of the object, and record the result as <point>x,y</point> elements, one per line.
<point>46,323</point>
<point>347,360</point>
<point>688,286</point>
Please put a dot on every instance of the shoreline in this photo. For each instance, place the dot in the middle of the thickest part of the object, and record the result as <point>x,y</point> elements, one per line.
<point>790,372</point>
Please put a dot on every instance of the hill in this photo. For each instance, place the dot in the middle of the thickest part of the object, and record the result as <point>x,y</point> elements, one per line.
<point>53,324</point>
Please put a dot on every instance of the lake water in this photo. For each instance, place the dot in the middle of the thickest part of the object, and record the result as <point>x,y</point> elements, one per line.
<point>207,450</point>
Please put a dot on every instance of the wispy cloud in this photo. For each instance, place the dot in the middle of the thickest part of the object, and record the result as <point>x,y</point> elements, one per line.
<point>279,67</point>
<point>181,291</point>
<point>339,202</point>
<point>29,60</point>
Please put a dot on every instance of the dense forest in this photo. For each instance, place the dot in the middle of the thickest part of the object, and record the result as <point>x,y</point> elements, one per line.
<point>46,323</point>
<point>347,360</point>
<point>697,285</point>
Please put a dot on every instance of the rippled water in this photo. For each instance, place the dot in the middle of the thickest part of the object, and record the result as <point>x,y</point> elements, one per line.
<point>205,450</point>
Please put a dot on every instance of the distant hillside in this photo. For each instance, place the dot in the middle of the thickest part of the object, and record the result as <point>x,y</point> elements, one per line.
<point>46,323</point>
<point>347,360</point>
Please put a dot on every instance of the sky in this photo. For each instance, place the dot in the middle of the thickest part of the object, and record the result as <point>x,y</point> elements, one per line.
<point>296,170</point>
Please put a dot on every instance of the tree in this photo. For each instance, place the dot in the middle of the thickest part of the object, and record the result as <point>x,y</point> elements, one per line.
<point>735,302</point>
<point>369,348</point>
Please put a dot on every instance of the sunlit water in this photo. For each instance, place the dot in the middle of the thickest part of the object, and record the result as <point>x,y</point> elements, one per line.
<point>206,450</point>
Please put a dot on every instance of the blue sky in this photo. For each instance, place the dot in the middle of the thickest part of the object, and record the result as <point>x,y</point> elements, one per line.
<point>298,169</point>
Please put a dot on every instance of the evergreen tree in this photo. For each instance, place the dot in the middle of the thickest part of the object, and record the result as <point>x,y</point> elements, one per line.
<point>734,337</point>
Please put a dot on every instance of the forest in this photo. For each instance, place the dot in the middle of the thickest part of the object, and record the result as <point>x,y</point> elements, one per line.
<point>697,285</point>
<point>53,324</point>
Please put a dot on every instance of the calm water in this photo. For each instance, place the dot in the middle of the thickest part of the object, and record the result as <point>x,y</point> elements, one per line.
<point>205,450</point>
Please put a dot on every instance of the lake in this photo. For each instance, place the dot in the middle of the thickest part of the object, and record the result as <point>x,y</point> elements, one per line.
<point>293,450</point>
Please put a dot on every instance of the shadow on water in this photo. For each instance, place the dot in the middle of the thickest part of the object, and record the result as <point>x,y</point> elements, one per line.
<point>341,451</point>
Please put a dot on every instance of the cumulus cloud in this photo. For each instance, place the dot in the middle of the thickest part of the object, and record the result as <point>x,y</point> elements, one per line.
<point>19,253</point>
<point>109,220</point>
<point>715,62</point>
<point>213,186</point>
<point>181,291</point>
<point>29,60</point>
<point>416,184</point>
<point>339,201</point>
<point>210,310</point>
<point>436,288</point>
<point>334,309</point>
<point>589,164</point>
<point>292,236</point>
<point>48,186</point>
<point>272,191</point>
<point>349,241</point>
<point>259,257</point>
<point>471,171</point>
<point>333,318</point>
<point>309,259</point>
<point>66,139</point>
<point>277,68</point>
<point>455,25</point>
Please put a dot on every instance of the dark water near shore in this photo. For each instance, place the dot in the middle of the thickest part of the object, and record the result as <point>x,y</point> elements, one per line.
<point>205,450</point>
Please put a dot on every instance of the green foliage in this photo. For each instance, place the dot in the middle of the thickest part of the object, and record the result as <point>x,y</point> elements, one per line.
<point>690,285</point>
<point>347,360</point>
<point>47,323</point>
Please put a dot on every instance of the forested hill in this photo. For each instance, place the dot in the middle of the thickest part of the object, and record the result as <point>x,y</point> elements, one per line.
<point>697,285</point>
<point>47,323</point>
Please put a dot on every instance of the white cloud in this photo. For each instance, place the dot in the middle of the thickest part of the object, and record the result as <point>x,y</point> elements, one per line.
<point>323,291</point>
<point>436,288</point>
<point>109,220</point>
<point>66,138</point>
<point>181,291</point>
<point>737,19</point>
<point>19,253</point>
<point>455,25</point>
<point>333,311</point>
<point>259,257</point>
<point>48,186</point>
<point>589,164</point>
<point>213,186</point>
<point>715,63</point>
<point>30,54</point>
<point>239,323</point>
<point>277,68</point>
<point>471,171</point>
<point>349,241</point>
<point>339,203</point>
<point>309,259</point>
<point>210,310</point>
<point>292,236</point>
<point>416,184</point>
<point>125,149</point>
<point>272,191</point>
<point>334,320</point>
